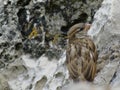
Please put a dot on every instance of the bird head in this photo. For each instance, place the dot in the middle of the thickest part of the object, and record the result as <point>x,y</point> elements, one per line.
<point>78,29</point>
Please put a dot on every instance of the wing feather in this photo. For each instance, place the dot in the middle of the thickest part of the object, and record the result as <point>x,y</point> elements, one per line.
<point>81,58</point>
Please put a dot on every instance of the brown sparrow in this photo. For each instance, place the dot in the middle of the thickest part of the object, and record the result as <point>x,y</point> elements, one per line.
<point>81,53</point>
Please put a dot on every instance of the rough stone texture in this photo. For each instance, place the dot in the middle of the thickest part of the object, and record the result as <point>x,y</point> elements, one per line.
<point>106,23</point>
<point>106,35</point>
<point>55,17</point>
<point>46,69</point>
<point>88,86</point>
<point>40,74</point>
<point>10,38</point>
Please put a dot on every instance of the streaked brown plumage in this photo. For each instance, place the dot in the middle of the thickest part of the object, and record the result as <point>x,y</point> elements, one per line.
<point>81,55</point>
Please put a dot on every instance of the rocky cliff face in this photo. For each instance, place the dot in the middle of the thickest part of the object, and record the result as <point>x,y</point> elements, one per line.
<point>106,35</point>
<point>33,41</point>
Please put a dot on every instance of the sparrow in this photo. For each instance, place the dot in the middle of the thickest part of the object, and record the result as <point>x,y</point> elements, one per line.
<point>81,53</point>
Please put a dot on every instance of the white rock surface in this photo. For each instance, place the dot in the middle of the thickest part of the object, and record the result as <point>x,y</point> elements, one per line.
<point>88,86</point>
<point>106,22</point>
<point>106,29</point>
<point>42,73</point>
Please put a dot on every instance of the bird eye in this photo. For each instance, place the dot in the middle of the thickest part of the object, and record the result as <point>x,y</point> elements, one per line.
<point>81,29</point>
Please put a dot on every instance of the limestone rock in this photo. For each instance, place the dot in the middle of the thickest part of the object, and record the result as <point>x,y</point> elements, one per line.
<point>106,35</point>
<point>46,70</point>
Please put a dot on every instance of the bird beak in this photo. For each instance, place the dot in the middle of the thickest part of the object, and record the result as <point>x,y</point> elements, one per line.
<point>87,27</point>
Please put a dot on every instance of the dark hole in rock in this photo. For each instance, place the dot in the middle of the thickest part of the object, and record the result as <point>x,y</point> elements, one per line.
<point>40,84</point>
<point>9,2</point>
<point>13,19</point>
<point>65,29</point>
<point>37,7</point>
<point>84,1</point>
<point>2,65</point>
<point>2,53</point>
<point>16,56</point>
<point>6,44</point>
<point>92,15</point>
<point>22,16</point>
<point>98,51</point>
<point>18,46</point>
<point>59,74</point>
<point>0,34</point>
<point>30,87</point>
<point>59,88</point>
<point>8,58</point>
<point>12,33</point>
<point>112,57</point>
<point>82,18</point>
<point>20,11</point>
<point>23,2</point>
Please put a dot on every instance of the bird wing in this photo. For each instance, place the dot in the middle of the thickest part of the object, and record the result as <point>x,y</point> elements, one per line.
<point>81,59</point>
